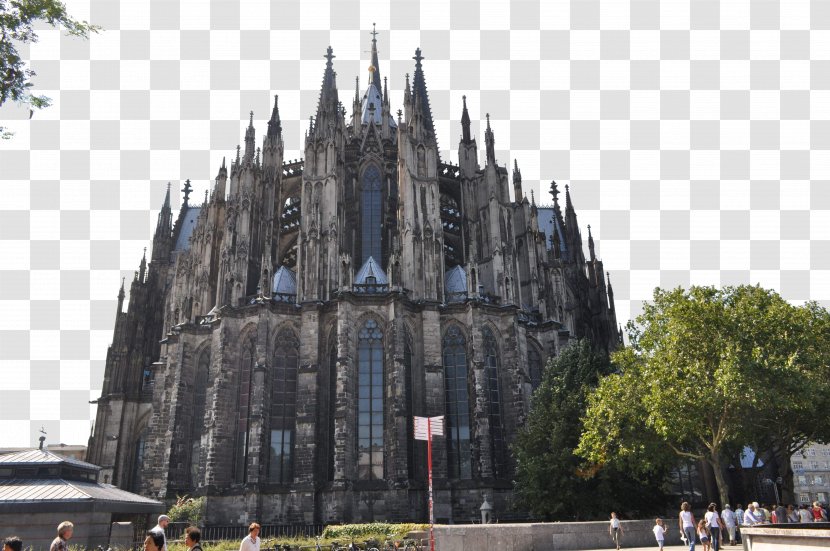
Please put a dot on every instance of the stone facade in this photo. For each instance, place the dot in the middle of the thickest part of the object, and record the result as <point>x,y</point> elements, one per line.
<point>286,331</point>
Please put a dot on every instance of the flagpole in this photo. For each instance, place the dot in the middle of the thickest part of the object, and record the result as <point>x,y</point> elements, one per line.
<point>429,474</point>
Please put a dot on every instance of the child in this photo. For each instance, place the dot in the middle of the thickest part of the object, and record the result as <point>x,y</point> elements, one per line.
<point>659,532</point>
<point>703,534</point>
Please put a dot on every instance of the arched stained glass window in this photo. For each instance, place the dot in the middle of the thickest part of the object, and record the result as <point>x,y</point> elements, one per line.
<point>534,366</point>
<point>458,404</point>
<point>370,402</point>
<point>283,407</point>
<point>332,404</point>
<point>410,426</point>
<point>491,374</point>
<point>200,385</point>
<point>371,215</point>
<point>243,408</point>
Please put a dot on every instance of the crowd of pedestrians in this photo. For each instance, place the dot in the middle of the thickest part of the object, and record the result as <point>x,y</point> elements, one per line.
<point>713,529</point>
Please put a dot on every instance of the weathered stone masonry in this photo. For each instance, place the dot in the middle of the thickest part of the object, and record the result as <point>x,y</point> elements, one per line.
<point>284,333</point>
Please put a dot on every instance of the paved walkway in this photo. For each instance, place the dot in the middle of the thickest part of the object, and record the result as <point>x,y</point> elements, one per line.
<point>665,548</point>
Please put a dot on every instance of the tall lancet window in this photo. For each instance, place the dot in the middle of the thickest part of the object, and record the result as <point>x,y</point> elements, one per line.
<point>371,215</point>
<point>283,407</point>
<point>491,374</point>
<point>198,422</point>
<point>534,365</point>
<point>243,416</point>
<point>457,403</point>
<point>370,402</point>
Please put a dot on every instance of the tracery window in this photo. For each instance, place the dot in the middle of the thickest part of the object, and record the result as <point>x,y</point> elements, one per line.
<point>371,215</point>
<point>283,407</point>
<point>332,404</point>
<point>459,455</point>
<point>534,366</point>
<point>200,385</point>
<point>243,408</point>
<point>491,374</point>
<point>370,402</point>
<point>410,427</point>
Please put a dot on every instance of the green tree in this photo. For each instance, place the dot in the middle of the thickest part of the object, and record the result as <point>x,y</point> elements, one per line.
<point>17,26</point>
<point>709,371</point>
<point>551,480</point>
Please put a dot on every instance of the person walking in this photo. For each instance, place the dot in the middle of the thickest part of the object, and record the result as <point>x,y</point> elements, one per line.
<point>252,541</point>
<point>729,522</point>
<point>713,524</point>
<point>739,516</point>
<point>155,540</point>
<point>164,520</point>
<point>686,524</point>
<point>704,534</point>
<point>818,512</point>
<point>659,532</point>
<point>615,529</point>
<point>65,531</point>
<point>13,543</point>
<point>192,537</point>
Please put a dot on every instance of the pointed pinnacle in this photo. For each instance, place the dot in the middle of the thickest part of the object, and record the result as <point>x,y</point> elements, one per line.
<point>251,121</point>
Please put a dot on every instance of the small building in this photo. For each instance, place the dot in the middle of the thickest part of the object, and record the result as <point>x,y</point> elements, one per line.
<point>40,489</point>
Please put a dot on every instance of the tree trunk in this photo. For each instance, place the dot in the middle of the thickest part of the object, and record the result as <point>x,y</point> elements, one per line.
<point>723,485</point>
<point>785,473</point>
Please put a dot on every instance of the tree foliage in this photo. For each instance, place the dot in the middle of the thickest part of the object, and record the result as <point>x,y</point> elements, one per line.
<point>552,481</point>
<point>710,371</point>
<point>17,26</point>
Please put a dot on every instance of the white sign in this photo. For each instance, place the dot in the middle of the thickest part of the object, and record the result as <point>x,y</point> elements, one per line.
<point>425,425</point>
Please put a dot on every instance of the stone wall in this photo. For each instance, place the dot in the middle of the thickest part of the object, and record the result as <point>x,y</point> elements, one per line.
<point>547,536</point>
<point>37,530</point>
<point>769,538</point>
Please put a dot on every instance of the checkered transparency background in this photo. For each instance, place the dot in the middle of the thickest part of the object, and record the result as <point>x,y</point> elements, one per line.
<point>694,135</point>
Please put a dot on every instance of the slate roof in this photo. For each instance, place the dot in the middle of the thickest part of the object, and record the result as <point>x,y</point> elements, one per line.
<point>43,457</point>
<point>371,269</point>
<point>455,280</point>
<point>189,222</point>
<point>22,494</point>
<point>285,282</point>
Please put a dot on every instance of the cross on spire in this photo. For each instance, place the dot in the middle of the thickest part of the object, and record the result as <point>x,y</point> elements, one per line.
<point>187,189</point>
<point>374,33</point>
<point>329,56</point>
<point>418,57</point>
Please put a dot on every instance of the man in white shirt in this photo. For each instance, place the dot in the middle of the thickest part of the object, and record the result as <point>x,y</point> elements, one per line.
<point>729,521</point>
<point>164,520</point>
<point>752,516</point>
<point>252,541</point>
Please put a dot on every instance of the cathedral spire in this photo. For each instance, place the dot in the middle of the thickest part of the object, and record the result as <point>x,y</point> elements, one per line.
<point>490,142</point>
<point>419,89</point>
<point>142,268</point>
<point>121,295</point>
<point>465,123</point>
<point>274,124</point>
<point>375,64</point>
<point>327,106</point>
<point>517,181</point>
<point>591,244</point>
<point>573,235</point>
<point>249,139</point>
<point>610,292</point>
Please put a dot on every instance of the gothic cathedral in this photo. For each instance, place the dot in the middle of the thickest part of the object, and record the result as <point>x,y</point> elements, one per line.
<point>284,333</point>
